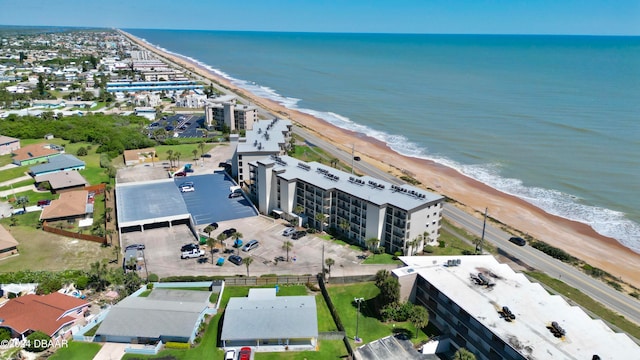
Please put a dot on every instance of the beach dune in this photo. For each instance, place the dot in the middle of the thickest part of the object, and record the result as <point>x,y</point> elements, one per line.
<point>578,239</point>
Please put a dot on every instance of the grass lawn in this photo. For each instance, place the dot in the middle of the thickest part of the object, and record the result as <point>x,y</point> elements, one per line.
<point>588,303</point>
<point>10,174</point>
<point>77,351</point>
<point>40,250</point>
<point>207,349</point>
<point>5,159</point>
<point>185,150</point>
<point>17,185</point>
<point>381,259</point>
<point>369,327</point>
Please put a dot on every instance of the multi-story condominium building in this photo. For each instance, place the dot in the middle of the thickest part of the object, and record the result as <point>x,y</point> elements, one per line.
<point>496,313</point>
<point>268,137</point>
<point>403,218</point>
<point>223,110</point>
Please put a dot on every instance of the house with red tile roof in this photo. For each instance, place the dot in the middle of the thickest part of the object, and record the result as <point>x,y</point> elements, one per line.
<point>35,153</point>
<point>52,314</point>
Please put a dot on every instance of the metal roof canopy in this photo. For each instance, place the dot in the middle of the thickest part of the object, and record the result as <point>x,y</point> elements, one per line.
<point>149,202</point>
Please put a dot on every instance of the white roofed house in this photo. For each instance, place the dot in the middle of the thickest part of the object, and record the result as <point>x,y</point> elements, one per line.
<point>191,99</point>
<point>270,322</point>
<point>147,99</point>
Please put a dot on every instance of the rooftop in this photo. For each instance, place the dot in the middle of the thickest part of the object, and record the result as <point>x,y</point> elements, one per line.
<point>533,307</point>
<point>62,161</point>
<point>140,201</point>
<point>71,203</point>
<point>368,188</point>
<point>62,179</point>
<point>270,316</point>
<point>266,136</point>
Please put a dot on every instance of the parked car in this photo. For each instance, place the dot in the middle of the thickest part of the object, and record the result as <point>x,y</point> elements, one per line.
<point>250,245</point>
<point>44,202</point>
<point>189,247</point>
<point>192,254</point>
<point>19,212</point>
<point>205,155</point>
<point>235,195</point>
<point>518,241</point>
<point>180,174</point>
<point>245,353</point>
<point>230,354</point>
<point>229,232</point>
<point>298,234</point>
<point>288,231</point>
<point>356,158</point>
<point>135,246</point>
<point>235,259</point>
<point>186,188</point>
<point>214,225</point>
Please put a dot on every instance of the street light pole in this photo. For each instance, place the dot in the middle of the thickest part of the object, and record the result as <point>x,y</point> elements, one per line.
<point>484,226</point>
<point>358,301</point>
<point>353,149</point>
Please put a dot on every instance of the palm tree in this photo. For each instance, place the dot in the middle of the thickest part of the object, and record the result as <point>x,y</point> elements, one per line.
<point>286,246</point>
<point>329,262</point>
<point>107,191</point>
<point>195,154</point>
<point>221,237</point>
<point>116,252</point>
<point>247,262</point>
<point>170,157</point>
<point>178,154</point>
<point>320,219</point>
<point>211,243</point>
<point>409,246</point>
<point>108,212</point>
<point>372,244</point>
<point>419,317</point>
<point>298,209</point>
<point>334,162</point>
<point>463,354</point>
<point>236,236</point>
<point>201,146</point>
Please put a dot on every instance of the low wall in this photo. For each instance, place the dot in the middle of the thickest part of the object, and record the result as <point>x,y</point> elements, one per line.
<point>146,350</point>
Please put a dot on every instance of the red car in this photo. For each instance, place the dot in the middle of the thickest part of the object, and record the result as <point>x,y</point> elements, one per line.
<point>179,174</point>
<point>245,353</point>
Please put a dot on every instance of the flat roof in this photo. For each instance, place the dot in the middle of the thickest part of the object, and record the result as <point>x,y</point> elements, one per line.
<point>59,162</point>
<point>149,202</point>
<point>266,136</point>
<point>62,179</point>
<point>264,317</point>
<point>368,188</point>
<point>534,308</point>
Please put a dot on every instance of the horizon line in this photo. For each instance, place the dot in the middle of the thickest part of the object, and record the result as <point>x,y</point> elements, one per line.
<point>321,32</point>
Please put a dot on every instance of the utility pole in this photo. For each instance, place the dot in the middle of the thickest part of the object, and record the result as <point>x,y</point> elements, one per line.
<point>323,261</point>
<point>358,301</point>
<point>484,226</point>
<point>353,150</point>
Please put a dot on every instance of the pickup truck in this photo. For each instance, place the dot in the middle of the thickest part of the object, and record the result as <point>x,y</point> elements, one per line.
<point>195,253</point>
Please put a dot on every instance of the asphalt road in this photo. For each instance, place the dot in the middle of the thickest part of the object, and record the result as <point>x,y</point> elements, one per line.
<point>621,303</point>
<point>624,304</point>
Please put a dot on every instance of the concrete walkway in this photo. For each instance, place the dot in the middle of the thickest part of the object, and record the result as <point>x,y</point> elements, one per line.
<point>110,351</point>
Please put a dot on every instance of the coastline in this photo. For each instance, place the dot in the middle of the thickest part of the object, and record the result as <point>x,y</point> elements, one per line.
<point>576,238</point>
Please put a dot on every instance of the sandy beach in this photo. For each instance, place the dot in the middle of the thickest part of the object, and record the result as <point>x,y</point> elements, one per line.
<point>578,239</point>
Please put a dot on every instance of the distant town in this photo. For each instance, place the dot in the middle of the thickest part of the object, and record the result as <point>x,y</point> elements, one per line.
<point>146,212</point>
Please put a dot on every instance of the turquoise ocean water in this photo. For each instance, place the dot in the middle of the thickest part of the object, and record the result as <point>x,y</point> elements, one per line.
<point>554,120</point>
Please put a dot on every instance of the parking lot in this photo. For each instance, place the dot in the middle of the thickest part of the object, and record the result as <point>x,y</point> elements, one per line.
<point>184,125</point>
<point>162,251</point>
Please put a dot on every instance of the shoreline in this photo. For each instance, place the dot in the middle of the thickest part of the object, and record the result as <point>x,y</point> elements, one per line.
<point>578,239</point>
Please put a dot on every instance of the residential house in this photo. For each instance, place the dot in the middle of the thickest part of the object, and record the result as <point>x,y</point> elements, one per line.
<point>63,181</point>
<point>8,145</point>
<point>8,244</point>
<point>53,314</point>
<point>62,162</point>
<point>71,205</point>
<point>139,156</point>
<point>36,153</point>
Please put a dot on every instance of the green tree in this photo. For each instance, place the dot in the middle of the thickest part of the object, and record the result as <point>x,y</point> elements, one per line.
<point>329,262</point>
<point>222,237</point>
<point>286,246</point>
<point>82,151</point>
<point>419,317</point>
<point>195,154</point>
<point>372,244</point>
<point>116,250</point>
<point>320,219</point>
<point>201,146</point>
<point>132,282</point>
<point>97,276</point>
<point>389,287</point>
<point>5,334</point>
<point>37,342</point>
<point>40,86</point>
<point>463,354</point>
<point>236,235</point>
<point>247,262</point>
<point>211,242</point>
<point>170,157</point>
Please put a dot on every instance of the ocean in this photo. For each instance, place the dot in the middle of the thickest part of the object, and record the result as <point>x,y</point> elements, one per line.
<point>553,120</point>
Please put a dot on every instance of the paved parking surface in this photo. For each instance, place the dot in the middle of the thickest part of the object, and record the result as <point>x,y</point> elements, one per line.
<point>210,201</point>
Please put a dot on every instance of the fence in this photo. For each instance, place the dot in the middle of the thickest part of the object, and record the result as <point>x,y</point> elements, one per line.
<point>334,314</point>
<point>257,281</point>
<point>351,279</point>
<point>51,229</point>
<point>146,350</point>
<point>97,189</point>
<point>331,335</point>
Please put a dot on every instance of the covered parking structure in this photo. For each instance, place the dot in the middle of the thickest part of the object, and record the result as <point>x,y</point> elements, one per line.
<point>151,204</point>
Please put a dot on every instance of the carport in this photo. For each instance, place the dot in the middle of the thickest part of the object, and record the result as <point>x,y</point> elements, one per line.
<point>211,203</point>
<point>152,204</point>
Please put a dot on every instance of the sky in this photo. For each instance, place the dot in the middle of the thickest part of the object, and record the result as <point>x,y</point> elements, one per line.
<point>569,17</point>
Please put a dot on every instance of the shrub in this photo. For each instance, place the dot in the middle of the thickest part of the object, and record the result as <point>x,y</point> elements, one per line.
<point>615,285</point>
<point>149,286</point>
<point>37,342</point>
<point>81,282</point>
<point>441,244</point>
<point>5,334</point>
<point>177,345</point>
<point>428,249</point>
<point>82,151</point>
<point>593,271</point>
<point>635,294</point>
<point>554,252</point>
<point>153,278</point>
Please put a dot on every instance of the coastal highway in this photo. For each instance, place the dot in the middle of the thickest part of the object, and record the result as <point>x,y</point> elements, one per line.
<point>623,304</point>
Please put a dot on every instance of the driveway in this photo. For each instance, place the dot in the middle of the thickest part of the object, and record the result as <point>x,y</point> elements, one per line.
<point>110,351</point>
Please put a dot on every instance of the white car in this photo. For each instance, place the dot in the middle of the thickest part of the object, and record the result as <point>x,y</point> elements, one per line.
<point>288,231</point>
<point>230,354</point>
<point>187,188</point>
<point>195,253</point>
